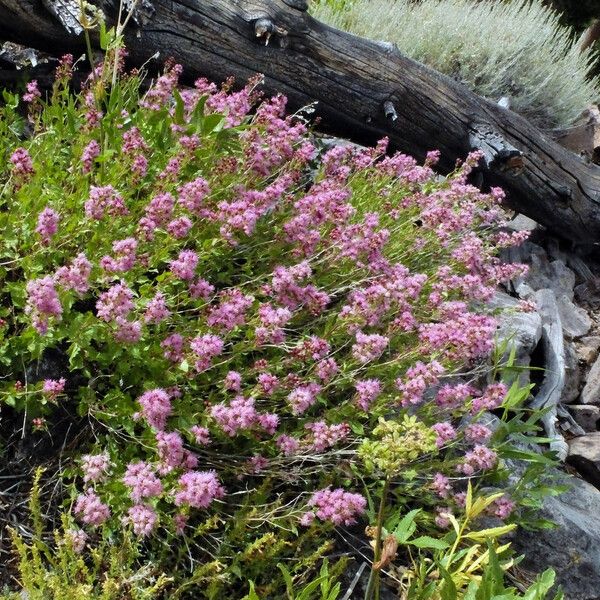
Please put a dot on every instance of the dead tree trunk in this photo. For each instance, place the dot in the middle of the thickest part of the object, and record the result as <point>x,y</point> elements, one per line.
<point>364,90</point>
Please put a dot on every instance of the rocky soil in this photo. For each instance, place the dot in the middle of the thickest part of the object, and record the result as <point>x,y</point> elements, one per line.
<point>562,336</point>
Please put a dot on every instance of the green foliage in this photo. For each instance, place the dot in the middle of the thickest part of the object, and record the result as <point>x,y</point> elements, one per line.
<point>516,49</point>
<point>252,537</point>
<point>397,443</point>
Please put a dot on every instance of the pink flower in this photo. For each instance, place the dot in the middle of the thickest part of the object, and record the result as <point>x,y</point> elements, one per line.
<point>33,93</point>
<point>367,391</point>
<point>90,509</point>
<point>142,480</point>
<point>492,397</point>
<point>53,387</point>
<point>47,224</point>
<point>206,347</point>
<point>156,310</point>
<point>201,289</point>
<point>201,435</point>
<point>160,209</point>
<point>156,407</point>
<point>268,383</point>
<point>76,276</point>
<point>198,489</point>
<point>125,256</point>
<point>42,302</point>
<point>95,467</point>
<point>269,422</point>
<point>441,519</point>
<point>445,433</point>
<point>369,347</point>
<point>337,506</point>
<point>185,265</point>
<point>454,396</point>
<point>303,397</point>
<point>143,519</point>
<point>480,458</point>
<point>441,485</point>
<point>170,448</point>
<point>180,522</point>
<point>288,445</point>
<point>77,538</point>
<point>326,369</point>
<point>89,155</point>
<point>240,414</point>
<point>502,507</point>
<point>230,313</point>
<point>192,194</point>
<point>127,332</point>
<point>180,227</point>
<point>173,347</point>
<point>115,302</point>
<point>325,436</point>
<point>233,381</point>
<point>104,200</point>
<point>22,164</point>
<point>477,433</point>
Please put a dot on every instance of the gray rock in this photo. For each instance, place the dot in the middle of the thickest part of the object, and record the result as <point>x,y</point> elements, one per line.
<point>591,390</point>
<point>562,279</point>
<point>553,275</point>
<point>575,320</point>
<point>587,349</point>
<point>587,447</point>
<point>522,331</point>
<point>572,549</point>
<point>572,386</point>
<point>522,223</point>
<point>586,415</point>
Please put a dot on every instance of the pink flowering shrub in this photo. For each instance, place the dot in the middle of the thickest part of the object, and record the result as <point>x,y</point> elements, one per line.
<point>239,305</point>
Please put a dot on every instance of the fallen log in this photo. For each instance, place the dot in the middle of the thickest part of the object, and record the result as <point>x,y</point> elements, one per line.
<point>364,90</point>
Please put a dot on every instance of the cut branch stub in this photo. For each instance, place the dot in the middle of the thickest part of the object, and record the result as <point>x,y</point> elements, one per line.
<point>67,12</point>
<point>497,152</point>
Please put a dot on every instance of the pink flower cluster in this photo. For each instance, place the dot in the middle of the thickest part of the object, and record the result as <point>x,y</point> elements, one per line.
<point>47,224</point>
<point>325,436</point>
<point>198,489</point>
<point>53,387</point>
<point>90,509</point>
<point>42,302</point>
<point>104,201</point>
<point>95,467</point>
<point>337,506</point>
<point>142,480</point>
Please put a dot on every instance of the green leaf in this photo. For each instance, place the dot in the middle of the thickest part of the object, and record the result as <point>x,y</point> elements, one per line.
<point>287,577</point>
<point>251,595</point>
<point>448,589</point>
<point>406,527</point>
<point>426,541</point>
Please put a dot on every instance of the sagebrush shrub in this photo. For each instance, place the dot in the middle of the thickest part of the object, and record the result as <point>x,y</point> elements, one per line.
<point>516,49</point>
<point>266,331</point>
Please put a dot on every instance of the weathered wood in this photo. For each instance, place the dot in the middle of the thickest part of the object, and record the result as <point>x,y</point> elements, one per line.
<point>364,90</point>
<point>549,394</point>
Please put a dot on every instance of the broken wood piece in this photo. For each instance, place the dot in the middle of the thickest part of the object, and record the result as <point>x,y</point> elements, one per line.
<point>549,394</point>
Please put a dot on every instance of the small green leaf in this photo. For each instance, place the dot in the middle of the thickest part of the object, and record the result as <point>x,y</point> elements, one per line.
<point>426,541</point>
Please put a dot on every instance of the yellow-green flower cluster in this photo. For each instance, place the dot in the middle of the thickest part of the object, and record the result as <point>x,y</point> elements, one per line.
<point>397,443</point>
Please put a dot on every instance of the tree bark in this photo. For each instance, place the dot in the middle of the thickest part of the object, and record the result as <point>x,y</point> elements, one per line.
<point>364,90</point>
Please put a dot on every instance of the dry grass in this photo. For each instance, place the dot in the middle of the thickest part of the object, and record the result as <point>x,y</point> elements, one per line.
<point>516,49</point>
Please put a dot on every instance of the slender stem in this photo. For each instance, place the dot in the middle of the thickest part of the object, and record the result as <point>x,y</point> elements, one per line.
<point>372,592</point>
<point>90,54</point>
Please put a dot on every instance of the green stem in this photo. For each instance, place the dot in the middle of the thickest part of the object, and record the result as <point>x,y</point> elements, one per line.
<point>372,592</point>
<point>88,45</point>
